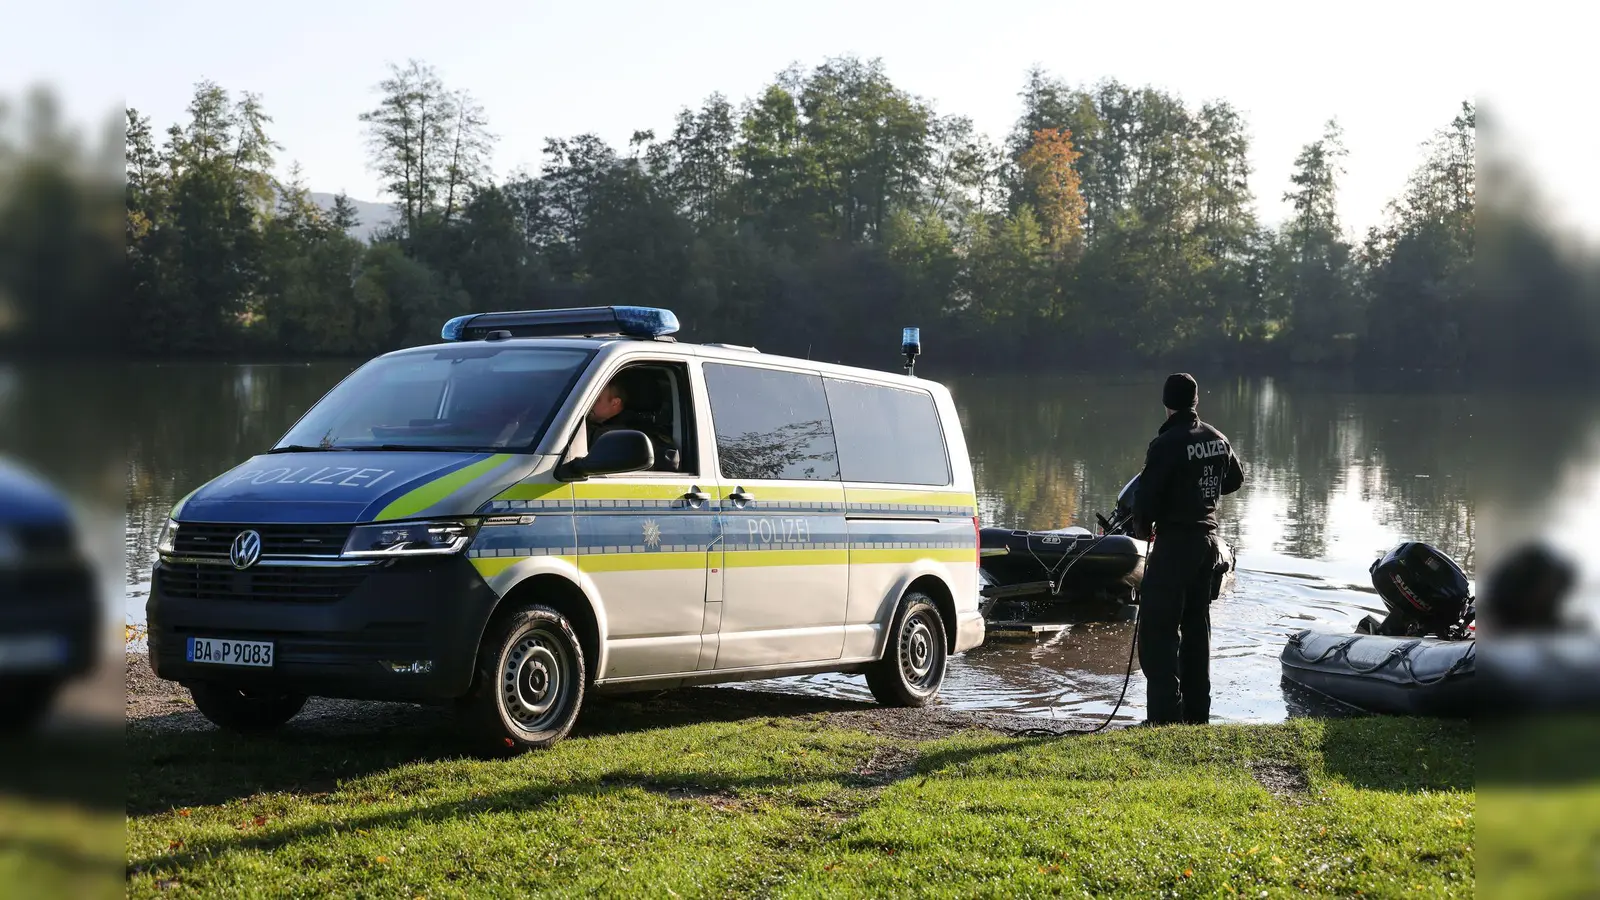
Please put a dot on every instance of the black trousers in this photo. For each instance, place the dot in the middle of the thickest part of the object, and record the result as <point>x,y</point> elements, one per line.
<point>1175,626</point>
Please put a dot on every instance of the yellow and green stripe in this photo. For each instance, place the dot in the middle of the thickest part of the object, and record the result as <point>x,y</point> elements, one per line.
<point>439,490</point>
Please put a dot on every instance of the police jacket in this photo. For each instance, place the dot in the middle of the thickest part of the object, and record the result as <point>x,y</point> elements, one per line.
<point>1187,468</point>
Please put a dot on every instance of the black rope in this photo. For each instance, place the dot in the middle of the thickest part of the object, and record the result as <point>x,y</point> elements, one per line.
<point>1127,678</point>
<point>1056,584</point>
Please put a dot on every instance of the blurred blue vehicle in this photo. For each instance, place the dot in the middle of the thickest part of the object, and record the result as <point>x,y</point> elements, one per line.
<point>49,614</point>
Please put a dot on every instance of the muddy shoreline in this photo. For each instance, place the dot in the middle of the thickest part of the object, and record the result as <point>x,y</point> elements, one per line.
<point>157,705</point>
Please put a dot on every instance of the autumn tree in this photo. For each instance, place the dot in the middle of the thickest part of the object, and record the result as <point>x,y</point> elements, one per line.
<point>1051,185</point>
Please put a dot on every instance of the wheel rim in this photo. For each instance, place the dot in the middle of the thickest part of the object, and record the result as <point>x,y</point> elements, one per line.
<point>535,680</point>
<point>920,653</point>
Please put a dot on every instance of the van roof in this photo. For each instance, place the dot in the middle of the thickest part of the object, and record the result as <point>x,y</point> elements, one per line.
<point>711,351</point>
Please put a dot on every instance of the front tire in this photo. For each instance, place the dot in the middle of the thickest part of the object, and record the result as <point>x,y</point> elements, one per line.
<point>913,665</point>
<point>530,681</point>
<point>246,712</point>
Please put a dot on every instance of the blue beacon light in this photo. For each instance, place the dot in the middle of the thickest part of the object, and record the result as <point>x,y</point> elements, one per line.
<point>911,347</point>
<point>645,321</point>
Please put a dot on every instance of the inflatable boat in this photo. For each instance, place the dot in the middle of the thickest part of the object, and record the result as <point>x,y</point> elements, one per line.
<point>1420,660</point>
<point>1382,674</point>
<point>1067,561</point>
<point>1026,574</point>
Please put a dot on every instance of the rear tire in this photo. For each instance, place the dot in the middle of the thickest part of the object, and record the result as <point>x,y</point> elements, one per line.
<point>915,658</point>
<point>245,712</point>
<point>529,684</point>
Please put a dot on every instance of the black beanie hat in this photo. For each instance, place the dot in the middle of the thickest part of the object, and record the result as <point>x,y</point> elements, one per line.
<point>1180,392</point>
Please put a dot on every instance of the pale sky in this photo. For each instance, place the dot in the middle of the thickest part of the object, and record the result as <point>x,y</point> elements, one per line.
<point>1392,72</point>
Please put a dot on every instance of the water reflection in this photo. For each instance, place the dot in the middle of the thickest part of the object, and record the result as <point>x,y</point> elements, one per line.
<point>1332,474</point>
<point>1336,474</point>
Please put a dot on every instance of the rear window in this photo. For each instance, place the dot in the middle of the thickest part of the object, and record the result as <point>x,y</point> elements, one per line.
<point>471,397</point>
<point>771,424</point>
<point>887,435</point>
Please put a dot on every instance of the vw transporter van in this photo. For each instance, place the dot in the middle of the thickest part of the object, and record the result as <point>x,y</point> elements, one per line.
<point>555,502</point>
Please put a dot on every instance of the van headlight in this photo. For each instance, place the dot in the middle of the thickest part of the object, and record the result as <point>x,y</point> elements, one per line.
<point>409,539</point>
<point>167,543</point>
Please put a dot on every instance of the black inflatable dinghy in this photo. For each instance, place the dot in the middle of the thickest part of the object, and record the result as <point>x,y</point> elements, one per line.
<point>1075,561</point>
<point>1072,565</point>
<point>1382,674</point>
<point>1420,660</point>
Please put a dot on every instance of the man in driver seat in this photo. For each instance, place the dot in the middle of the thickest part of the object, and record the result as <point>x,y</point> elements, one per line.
<point>611,412</point>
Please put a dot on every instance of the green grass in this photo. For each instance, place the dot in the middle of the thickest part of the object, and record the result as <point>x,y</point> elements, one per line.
<point>58,850</point>
<point>1540,782</point>
<point>61,819</point>
<point>723,805</point>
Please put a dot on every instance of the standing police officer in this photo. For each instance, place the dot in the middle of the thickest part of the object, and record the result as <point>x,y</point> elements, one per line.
<point>1187,468</point>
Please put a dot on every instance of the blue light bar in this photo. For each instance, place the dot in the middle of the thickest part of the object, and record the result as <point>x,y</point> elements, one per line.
<point>592,321</point>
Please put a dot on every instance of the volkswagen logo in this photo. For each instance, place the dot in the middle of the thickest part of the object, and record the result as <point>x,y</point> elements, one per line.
<point>246,550</point>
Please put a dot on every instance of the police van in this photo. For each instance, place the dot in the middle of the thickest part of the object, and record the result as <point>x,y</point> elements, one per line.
<point>555,502</point>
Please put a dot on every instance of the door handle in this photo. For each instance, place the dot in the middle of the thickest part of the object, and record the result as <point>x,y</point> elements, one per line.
<point>740,496</point>
<point>696,496</point>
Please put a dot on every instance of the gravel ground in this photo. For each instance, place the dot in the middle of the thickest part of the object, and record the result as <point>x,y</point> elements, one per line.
<point>159,705</point>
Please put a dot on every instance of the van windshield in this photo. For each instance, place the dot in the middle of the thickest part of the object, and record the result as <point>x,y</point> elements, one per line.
<point>474,397</point>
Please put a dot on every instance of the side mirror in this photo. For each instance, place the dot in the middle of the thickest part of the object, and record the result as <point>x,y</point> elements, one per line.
<point>612,453</point>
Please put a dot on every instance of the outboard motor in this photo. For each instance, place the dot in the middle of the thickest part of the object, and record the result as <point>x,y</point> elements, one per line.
<point>1122,520</point>
<point>1424,591</point>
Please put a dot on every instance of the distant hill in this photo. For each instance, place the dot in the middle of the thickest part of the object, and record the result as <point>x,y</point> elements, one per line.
<point>372,215</point>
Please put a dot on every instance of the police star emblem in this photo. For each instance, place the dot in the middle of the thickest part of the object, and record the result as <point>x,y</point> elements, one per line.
<point>652,533</point>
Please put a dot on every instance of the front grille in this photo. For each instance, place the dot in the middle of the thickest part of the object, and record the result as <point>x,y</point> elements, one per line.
<point>206,539</point>
<point>281,584</point>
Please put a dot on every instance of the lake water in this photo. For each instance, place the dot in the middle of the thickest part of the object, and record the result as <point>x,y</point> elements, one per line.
<point>1335,475</point>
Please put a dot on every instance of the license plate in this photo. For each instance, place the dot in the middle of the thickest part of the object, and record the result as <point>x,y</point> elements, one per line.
<point>32,652</point>
<point>223,652</point>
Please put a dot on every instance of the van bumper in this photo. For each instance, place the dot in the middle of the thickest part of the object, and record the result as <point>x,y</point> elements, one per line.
<point>969,630</point>
<point>399,630</point>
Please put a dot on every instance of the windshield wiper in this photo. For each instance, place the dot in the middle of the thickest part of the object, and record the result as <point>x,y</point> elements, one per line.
<point>440,448</point>
<point>437,448</point>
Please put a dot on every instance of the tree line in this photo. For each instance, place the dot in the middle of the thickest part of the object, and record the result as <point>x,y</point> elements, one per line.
<point>1113,226</point>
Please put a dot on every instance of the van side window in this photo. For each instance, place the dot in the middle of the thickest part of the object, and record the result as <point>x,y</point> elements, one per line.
<point>771,424</point>
<point>887,435</point>
<point>655,400</point>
